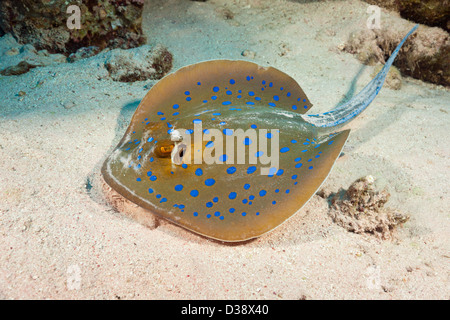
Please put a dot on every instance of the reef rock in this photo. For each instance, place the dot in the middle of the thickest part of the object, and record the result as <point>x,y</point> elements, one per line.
<point>18,59</point>
<point>424,56</point>
<point>360,209</point>
<point>393,79</point>
<point>83,53</point>
<point>434,13</point>
<point>143,63</point>
<point>103,23</point>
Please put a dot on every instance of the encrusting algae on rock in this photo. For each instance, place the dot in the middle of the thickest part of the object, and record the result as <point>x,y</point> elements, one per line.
<point>361,209</point>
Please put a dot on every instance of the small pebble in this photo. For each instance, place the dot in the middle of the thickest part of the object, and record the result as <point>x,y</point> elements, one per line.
<point>69,105</point>
<point>249,54</point>
<point>12,52</point>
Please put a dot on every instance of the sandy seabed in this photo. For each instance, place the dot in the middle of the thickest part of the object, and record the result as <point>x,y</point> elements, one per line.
<point>60,240</point>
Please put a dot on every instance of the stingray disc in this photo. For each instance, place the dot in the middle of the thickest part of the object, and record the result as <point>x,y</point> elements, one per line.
<point>230,190</point>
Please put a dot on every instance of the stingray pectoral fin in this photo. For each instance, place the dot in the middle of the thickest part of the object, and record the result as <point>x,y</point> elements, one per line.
<point>283,195</point>
<point>247,83</point>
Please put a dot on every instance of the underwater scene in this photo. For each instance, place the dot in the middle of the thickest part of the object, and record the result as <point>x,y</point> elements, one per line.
<point>224,150</point>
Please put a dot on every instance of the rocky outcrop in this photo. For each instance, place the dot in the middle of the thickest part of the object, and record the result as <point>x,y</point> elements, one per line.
<point>143,63</point>
<point>103,23</point>
<point>433,13</point>
<point>425,55</point>
<point>18,58</point>
<point>360,209</point>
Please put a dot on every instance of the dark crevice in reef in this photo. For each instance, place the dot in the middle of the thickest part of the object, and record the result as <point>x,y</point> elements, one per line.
<point>433,13</point>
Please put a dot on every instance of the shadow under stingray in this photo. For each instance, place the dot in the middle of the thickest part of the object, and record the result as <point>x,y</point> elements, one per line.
<point>92,184</point>
<point>373,127</point>
<point>351,90</point>
<point>123,120</point>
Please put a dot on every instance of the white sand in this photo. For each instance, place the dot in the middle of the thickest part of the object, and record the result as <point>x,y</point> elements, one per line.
<point>59,241</point>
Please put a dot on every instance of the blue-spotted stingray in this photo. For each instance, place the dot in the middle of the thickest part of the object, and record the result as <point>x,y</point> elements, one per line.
<point>153,165</point>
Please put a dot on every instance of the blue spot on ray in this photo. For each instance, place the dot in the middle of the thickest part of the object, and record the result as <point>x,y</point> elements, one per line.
<point>231,170</point>
<point>272,171</point>
<point>251,169</point>
<point>194,193</point>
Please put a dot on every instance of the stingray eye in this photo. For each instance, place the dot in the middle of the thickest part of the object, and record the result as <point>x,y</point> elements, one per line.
<point>164,149</point>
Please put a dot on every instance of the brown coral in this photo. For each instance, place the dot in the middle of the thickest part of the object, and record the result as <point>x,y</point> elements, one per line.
<point>104,23</point>
<point>360,209</point>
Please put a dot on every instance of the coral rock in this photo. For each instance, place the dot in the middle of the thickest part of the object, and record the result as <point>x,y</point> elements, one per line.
<point>83,53</point>
<point>434,13</point>
<point>18,59</point>
<point>393,78</point>
<point>424,56</point>
<point>138,64</point>
<point>43,23</point>
<point>20,68</point>
<point>360,209</point>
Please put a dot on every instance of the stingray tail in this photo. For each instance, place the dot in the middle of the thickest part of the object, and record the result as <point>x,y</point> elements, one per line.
<point>344,113</point>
